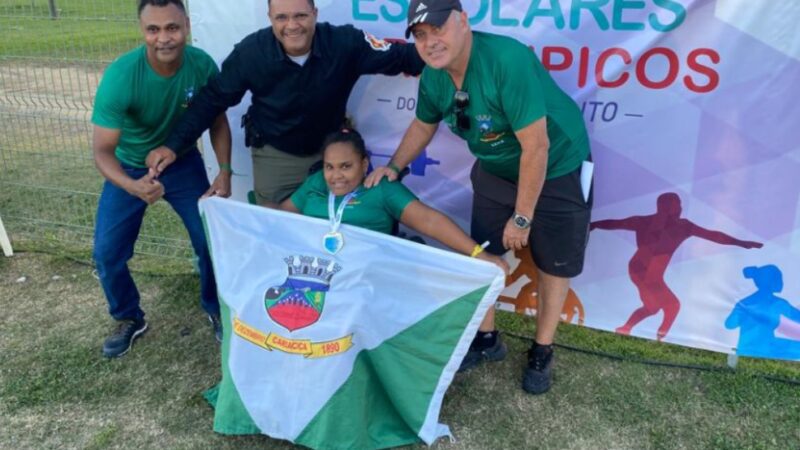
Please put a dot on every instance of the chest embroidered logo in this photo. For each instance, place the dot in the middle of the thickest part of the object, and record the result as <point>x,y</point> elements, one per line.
<point>485,128</point>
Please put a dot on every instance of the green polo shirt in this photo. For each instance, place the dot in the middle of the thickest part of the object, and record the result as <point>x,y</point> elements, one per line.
<point>144,105</point>
<point>508,89</point>
<point>375,209</point>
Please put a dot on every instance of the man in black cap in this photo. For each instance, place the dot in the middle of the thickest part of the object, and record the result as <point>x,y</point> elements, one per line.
<point>530,142</point>
<point>300,73</point>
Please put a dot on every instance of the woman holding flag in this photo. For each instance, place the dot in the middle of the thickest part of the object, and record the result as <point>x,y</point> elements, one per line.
<point>354,351</point>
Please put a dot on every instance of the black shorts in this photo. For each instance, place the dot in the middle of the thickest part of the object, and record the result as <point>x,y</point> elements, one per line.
<point>560,228</point>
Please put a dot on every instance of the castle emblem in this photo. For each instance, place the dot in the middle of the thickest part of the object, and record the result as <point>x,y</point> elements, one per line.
<point>298,302</point>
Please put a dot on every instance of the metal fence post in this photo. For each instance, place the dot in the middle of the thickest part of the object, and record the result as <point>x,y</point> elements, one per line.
<point>53,10</point>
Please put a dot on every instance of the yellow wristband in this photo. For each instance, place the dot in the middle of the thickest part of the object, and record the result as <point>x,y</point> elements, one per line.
<point>476,251</point>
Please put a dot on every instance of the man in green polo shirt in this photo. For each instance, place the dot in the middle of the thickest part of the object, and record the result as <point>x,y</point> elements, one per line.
<point>141,96</point>
<point>530,143</point>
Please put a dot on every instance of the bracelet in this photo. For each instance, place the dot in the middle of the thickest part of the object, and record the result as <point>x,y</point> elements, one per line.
<point>476,251</point>
<point>394,168</point>
<point>227,167</point>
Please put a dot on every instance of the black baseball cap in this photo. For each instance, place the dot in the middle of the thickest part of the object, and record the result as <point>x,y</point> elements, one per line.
<point>434,12</point>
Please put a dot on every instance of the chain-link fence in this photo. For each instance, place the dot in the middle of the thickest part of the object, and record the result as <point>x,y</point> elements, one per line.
<point>52,56</point>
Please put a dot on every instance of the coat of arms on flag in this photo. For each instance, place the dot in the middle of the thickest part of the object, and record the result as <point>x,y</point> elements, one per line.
<point>298,301</point>
<point>374,333</point>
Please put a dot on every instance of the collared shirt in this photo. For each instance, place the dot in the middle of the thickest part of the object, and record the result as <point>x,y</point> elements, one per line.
<point>294,107</point>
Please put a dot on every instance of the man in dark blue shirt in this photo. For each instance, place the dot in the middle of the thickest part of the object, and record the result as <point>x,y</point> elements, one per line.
<point>300,74</point>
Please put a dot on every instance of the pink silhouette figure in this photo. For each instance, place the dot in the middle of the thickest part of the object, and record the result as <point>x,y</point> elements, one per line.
<point>657,237</point>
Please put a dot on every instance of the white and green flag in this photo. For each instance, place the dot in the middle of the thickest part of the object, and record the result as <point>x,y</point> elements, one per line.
<point>352,350</point>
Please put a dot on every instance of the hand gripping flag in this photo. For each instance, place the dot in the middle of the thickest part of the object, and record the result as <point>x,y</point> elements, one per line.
<point>352,350</point>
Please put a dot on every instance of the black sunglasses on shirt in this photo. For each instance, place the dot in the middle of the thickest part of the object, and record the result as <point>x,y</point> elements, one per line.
<point>461,99</point>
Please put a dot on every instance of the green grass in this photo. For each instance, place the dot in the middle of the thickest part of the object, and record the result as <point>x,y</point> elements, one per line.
<point>84,29</point>
<point>56,391</point>
<point>66,40</point>
<point>116,9</point>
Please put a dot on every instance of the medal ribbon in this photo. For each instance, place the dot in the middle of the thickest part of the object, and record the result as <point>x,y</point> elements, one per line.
<point>335,217</point>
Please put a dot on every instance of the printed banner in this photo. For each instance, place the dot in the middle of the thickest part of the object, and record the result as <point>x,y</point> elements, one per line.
<point>691,107</point>
<point>352,350</point>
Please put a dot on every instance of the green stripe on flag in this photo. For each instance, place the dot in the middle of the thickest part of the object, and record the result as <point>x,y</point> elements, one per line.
<point>363,414</point>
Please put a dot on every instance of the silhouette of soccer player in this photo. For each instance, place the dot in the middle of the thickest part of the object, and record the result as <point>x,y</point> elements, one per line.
<point>657,237</point>
<point>759,315</point>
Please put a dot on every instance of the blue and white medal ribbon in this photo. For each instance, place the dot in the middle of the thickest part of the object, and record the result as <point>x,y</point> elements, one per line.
<point>333,241</point>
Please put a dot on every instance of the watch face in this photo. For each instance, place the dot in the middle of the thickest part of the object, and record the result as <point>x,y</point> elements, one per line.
<point>521,221</point>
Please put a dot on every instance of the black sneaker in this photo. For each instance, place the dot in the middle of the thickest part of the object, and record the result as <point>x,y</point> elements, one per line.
<point>122,339</point>
<point>476,356</point>
<point>216,324</point>
<point>538,376</point>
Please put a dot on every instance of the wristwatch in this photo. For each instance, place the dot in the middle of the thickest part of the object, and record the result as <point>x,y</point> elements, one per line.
<point>521,222</point>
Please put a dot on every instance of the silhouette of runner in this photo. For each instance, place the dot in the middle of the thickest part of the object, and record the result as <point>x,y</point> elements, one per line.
<point>657,237</point>
<point>759,315</point>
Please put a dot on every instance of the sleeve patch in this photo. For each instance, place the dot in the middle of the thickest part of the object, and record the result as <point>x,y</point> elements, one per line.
<point>377,44</point>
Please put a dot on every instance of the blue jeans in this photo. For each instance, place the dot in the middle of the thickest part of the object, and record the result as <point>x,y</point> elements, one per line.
<point>119,218</point>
